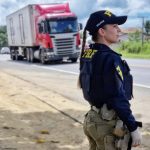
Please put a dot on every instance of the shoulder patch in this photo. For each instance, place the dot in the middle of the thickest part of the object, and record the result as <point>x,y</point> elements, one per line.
<point>89,53</point>
<point>119,71</point>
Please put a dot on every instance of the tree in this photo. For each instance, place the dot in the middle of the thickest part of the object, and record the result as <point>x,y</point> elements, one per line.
<point>3,29</point>
<point>147,26</point>
<point>3,36</point>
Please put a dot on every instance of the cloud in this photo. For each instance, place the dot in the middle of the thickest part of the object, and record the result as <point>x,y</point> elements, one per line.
<point>83,8</point>
<point>9,6</point>
<point>114,3</point>
<point>133,22</point>
<point>134,7</point>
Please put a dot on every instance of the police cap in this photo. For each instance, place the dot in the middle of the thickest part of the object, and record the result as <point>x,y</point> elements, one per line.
<point>100,18</point>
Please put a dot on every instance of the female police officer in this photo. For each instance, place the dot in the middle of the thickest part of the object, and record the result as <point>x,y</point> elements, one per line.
<point>106,84</point>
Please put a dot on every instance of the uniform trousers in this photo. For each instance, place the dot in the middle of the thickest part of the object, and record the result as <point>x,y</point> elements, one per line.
<point>99,131</point>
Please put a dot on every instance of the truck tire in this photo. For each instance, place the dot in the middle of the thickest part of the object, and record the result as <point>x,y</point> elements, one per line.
<point>12,56</point>
<point>32,59</point>
<point>28,54</point>
<point>21,57</point>
<point>16,56</point>
<point>73,60</point>
<point>42,58</point>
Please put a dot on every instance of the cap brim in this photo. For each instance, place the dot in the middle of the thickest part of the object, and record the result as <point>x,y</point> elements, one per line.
<point>118,20</point>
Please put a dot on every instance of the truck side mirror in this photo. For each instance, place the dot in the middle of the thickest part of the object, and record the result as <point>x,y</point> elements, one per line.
<point>80,26</point>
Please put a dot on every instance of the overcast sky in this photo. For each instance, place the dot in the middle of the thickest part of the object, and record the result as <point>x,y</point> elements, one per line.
<point>133,8</point>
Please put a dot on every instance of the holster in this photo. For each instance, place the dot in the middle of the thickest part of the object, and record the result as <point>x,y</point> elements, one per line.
<point>119,130</point>
<point>122,136</point>
<point>107,114</point>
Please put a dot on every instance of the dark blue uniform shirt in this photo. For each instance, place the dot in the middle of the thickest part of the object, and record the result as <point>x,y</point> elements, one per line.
<point>103,80</point>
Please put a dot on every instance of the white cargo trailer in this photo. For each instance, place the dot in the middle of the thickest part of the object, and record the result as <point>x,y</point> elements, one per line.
<point>21,28</point>
<point>47,32</point>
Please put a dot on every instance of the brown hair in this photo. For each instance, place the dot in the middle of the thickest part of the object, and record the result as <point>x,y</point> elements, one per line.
<point>94,38</point>
<point>83,42</point>
<point>82,50</point>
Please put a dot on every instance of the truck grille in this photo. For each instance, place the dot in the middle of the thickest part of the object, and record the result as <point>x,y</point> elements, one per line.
<point>64,46</point>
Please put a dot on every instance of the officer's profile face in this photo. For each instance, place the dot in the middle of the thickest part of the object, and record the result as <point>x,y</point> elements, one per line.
<point>110,33</point>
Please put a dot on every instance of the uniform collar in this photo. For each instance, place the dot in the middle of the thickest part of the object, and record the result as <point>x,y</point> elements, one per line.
<point>103,48</point>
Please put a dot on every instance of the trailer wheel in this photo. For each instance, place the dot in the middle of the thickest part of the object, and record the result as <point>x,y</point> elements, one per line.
<point>73,60</point>
<point>32,59</point>
<point>16,56</point>
<point>12,56</point>
<point>21,57</point>
<point>28,54</point>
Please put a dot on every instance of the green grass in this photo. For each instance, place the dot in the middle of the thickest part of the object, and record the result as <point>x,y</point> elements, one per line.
<point>130,55</point>
<point>133,49</point>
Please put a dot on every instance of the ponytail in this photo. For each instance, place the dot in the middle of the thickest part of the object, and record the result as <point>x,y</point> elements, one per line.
<point>83,42</point>
<point>82,51</point>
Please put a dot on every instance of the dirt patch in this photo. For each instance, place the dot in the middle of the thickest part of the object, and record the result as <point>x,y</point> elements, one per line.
<point>33,118</point>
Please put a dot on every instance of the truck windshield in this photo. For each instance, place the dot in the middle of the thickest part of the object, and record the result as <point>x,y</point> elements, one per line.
<point>62,25</point>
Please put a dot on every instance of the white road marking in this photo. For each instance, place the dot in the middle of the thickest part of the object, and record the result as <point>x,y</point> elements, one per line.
<point>140,66</point>
<point>75,73</point>
<point>55,69</point>
<point>141,85</point>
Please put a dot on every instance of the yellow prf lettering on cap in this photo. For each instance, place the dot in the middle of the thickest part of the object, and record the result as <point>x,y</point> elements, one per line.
<point>108,13</point>
<point>119,72</point>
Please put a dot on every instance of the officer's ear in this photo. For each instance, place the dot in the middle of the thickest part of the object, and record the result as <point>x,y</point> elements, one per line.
<point>101,31</point>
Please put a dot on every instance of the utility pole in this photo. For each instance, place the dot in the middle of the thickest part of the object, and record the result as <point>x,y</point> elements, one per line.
<point>142,17</point>
<point>142,32</point>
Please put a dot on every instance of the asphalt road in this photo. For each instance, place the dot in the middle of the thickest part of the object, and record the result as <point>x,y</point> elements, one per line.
<point>139,68</point>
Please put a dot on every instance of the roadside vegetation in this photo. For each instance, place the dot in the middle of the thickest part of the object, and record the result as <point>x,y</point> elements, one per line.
<point>3,36</point>
<point>135,46</point>
<point>135,49</point>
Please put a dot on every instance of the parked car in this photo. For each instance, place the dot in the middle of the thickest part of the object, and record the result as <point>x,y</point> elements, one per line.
<point>5,50</point>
